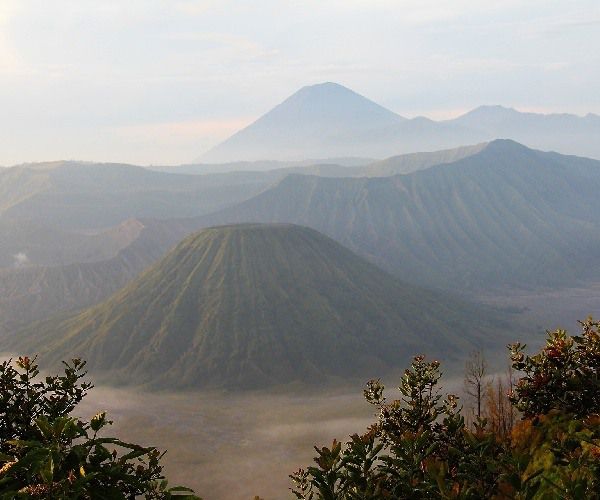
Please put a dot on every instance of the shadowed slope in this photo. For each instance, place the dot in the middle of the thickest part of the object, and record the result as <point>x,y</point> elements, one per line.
<point>252,306</point>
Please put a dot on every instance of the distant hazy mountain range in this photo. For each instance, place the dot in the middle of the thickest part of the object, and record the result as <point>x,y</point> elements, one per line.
<point>479,217</point>
<point>67,212</point>
<point>323,278</point>
<point>260,166</point>
<point>329,120</point>
<point>504,215</point>
<point>256,305</point>
<point>33,292</point>
<point>340,167</point>
<point>474,218</point>
<point>84,196</point>
<point>26,242</point>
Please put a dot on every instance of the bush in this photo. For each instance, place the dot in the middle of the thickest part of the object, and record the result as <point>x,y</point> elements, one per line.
<point>47,453</point>
<point>420,447</point>
<point>563,376</point>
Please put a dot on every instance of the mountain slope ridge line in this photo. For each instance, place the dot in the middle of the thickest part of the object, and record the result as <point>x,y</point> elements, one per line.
<point>233,306</point>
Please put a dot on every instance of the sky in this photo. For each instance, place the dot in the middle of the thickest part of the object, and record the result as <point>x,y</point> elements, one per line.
<point>160,82</point>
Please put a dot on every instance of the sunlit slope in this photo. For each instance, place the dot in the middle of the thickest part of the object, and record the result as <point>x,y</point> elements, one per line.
<point>256,305</point>
<point>507,215</point>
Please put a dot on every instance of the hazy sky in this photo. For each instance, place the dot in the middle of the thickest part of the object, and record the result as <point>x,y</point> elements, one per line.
<point>154,81</point>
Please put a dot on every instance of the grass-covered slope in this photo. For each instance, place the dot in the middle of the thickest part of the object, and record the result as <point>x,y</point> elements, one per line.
<point>506,215</point>
<point>256,305</point>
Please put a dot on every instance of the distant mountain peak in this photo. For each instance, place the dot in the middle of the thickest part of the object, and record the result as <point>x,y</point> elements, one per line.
<point>506,147</point>
<point>317,121</point>
<point>497,111</point>
<point>328,120</point>
<point>330,101</point>
<point>505,144</point>
<point>492,110</point>
<point>326,86</point>
<point>330,90</point>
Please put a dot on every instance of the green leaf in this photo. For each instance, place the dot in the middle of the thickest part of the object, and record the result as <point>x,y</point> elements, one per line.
<point>47,471</point>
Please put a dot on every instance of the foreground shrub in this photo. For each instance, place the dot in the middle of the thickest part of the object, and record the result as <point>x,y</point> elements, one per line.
<point>45,452</point>
<point>563,376</point>
<point>557,444</point>
<point>558,456</point>
<point>421,448</point>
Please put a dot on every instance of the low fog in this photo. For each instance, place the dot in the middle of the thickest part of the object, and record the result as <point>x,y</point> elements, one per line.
<point>231,446</point>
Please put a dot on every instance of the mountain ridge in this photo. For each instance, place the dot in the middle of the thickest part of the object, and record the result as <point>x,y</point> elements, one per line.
<point>488,218</point>
<point>84,196</point>
<point>304,126</point>
<point>248,306</point>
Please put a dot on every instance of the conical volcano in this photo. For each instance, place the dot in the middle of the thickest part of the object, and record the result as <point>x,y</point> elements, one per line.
<point>250,306</point>
<point>319,121</point>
